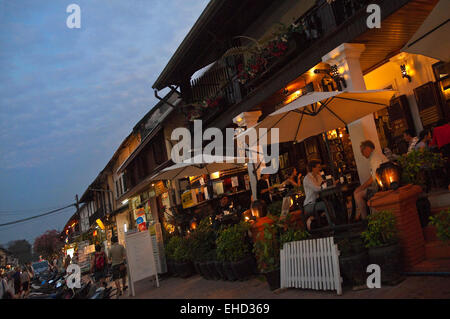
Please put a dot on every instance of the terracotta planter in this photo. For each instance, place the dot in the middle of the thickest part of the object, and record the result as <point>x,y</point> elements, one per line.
<point>220,270</point>
<point>402,203</point>
<point>389,260</point>
<point>244,268</point>
<point>228,270</point>
<point>353,268</point>
<point>184,269</point>
<point>273,279</point>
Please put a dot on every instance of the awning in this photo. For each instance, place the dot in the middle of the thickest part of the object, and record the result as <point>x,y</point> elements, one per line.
<point>199,165</point>
<point>433,37</point>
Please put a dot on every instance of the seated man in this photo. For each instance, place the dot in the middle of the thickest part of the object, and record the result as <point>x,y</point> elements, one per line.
<point>312,185</point>
<point>376,159</point>
<point>224,205</point>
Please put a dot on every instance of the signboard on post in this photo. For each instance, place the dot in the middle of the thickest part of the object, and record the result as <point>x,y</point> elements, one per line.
<point>140,258</point>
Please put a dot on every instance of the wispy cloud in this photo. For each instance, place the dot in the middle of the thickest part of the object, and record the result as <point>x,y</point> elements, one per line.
<point>69,97</point>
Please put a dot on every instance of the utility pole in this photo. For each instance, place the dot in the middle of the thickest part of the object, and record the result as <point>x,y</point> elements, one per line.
<point>77,204</point>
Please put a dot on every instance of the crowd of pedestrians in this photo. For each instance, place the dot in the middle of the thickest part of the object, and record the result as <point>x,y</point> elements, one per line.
<point>15,284</point>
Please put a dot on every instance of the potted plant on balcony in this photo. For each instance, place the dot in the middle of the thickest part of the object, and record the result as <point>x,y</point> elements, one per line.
<point>382,241</point>
<point>233,249</point>
<point>183,258</point>
<point>267,252</point>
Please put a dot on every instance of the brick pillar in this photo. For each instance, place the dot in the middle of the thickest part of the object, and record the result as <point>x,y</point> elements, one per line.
<point>402,203</point>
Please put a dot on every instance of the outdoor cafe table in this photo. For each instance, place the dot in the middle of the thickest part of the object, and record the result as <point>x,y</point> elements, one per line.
<point>335,197</point>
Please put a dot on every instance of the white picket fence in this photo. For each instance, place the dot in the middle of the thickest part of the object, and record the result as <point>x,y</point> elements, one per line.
<point>311,264</point>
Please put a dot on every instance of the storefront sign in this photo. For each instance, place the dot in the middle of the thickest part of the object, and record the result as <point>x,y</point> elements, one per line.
<point>187,199</point>
<point>140,219</point>
<point>234,181</point>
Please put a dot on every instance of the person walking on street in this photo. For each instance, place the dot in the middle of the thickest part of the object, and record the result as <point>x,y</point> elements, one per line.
<point>119,269</point>
<point>98,265</point>
<point>17,282</point>
<point>25,281</point>
<point>7,286</point>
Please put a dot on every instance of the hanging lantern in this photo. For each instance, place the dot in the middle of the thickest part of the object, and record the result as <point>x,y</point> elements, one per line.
<point>388,176</point>
<point>247,215</point>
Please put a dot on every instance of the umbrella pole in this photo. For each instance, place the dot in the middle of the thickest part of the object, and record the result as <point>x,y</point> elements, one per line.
<point>330,160</point>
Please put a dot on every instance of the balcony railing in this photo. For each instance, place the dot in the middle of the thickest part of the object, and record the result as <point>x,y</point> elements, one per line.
<point>221,86</point>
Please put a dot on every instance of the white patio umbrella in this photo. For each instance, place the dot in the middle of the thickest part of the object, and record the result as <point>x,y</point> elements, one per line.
<point>199,165</point>
<point>432,38</point>
<point>319,112</point>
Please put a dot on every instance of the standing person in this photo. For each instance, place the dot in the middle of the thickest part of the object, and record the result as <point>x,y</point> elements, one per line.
<point>30,270</point>
<point>7,286</point>
<point>98,265</point>
<point>117,256</point>
<point>25,281</point>
<point>360,193</point>
<point>411,138</point>
<point>17,282</point>
<point>67,261</point>
<point>263,189</point>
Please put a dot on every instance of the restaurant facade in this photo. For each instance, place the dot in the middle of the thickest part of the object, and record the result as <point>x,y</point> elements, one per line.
<point>238,65</point>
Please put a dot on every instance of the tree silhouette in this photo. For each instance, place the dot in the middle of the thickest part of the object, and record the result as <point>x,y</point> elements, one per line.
<point>20,249</point>
<point>48,244</point>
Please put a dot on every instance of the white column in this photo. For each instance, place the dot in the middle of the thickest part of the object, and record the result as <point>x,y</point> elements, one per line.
<point>246,120</point>
<point>346,58</point>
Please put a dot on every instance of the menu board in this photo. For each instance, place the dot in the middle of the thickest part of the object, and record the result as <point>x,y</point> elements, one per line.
<point>140,257</point>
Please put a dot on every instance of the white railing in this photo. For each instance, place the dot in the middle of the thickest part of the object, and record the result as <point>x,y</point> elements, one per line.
<point>311,264</point>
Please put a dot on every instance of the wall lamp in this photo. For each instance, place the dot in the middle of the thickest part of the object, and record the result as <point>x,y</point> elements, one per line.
<point>405,72</point>
<point>333,72</point>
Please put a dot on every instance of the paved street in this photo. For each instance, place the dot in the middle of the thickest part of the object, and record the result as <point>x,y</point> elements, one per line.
<point>197,287</point>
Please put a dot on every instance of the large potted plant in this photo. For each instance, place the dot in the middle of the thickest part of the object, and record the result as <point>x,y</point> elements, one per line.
<point>234,251</point>
<point>172,244</point>
<point>382,242</point>
<point>203,244</point>
<point>183,258</point>
<point>442,223</point>
<point>267,252</point>
<point>353,259</point>
<point>419,167</point>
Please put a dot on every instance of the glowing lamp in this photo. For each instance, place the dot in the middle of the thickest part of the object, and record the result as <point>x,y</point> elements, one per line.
<point>193,225</point>
<point>388,176</point>
<point>258,209</point>
<point>215,175</point>
<point>405,72</point>
<point>100,224</point>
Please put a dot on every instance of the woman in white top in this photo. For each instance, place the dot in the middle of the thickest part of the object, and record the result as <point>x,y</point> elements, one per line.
<point>312,186</point>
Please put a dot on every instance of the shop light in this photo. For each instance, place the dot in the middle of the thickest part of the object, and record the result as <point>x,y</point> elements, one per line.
<point>125,201</point>
<point>405,72</point>
<point>215,175</point>
<point>100,224</point>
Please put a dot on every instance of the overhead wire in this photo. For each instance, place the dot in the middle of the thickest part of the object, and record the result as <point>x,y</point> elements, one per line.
<point>37,216</point>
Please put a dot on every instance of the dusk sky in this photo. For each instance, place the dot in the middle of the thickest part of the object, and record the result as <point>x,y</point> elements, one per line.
<point>68,97</point>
